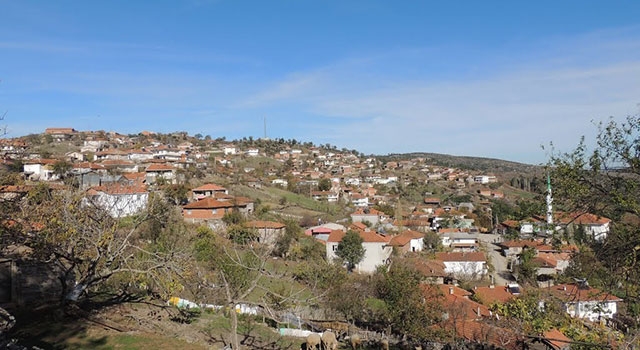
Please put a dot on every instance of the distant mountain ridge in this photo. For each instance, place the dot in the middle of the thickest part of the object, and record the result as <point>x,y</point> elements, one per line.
<point>467,162</point>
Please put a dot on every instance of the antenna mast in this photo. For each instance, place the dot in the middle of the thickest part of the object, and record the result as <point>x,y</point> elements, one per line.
<point>265,128</point>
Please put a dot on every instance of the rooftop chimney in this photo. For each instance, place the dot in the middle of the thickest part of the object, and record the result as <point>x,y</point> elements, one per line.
<point>450,290</point>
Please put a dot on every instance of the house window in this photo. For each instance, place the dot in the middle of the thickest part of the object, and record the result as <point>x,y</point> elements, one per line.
<point>334,247</point>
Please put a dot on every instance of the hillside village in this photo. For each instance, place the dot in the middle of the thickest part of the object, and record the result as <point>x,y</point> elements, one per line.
<point>441,221</point>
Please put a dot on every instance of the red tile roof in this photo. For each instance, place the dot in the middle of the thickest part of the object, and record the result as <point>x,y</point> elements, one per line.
<point>159,167</point>
<point>405,237</point>
<point>429,268</point>
<point>572,293</point>
<point>582,219</point>
<point>556,339</point>
<point>209,203</point>
<point>492,295</point>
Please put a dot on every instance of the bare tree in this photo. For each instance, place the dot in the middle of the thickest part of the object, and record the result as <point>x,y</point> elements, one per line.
<point>240,273</point>
<point>89,246</point>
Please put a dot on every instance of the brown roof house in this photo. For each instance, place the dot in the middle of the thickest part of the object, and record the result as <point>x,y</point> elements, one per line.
<point>408,241</point>
<point>464,265</point>
<point>582,301</point>
<point>210,211</point>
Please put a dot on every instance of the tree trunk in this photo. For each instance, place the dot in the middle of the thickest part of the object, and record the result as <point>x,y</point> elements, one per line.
<point>235,342</point>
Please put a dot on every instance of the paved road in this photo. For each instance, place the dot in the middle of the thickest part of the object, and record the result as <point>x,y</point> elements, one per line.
<point>500,274</point>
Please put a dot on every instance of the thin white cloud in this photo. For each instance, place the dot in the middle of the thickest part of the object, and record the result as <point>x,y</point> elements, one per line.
<point>506,113</point>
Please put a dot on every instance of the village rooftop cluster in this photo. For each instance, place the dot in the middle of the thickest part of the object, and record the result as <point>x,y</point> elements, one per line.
<point>120,172</point>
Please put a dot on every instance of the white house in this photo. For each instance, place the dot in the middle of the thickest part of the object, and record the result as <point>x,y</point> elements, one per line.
<point>582,301</point>
<point>484,179</point>
<point>372,216</point>
<point>280,182</point>
<point>464,265</point>
<point>597,227</point>
<point>458,240</point>
<point>208,190</point>
<point>160,171</point>
<point>40,169</point>
<point>119,200</point>
<point>360,200</point>
<point>377,249</point>
<point>229,150</point>
<point>253,152</point>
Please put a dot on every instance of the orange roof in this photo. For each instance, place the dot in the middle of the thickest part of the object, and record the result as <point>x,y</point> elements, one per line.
<point>15,188</point>
<point>484,333</point>
<point>159,167</point>
<point>361,211</point>
<point>209,203</point>
<point>489,295</point>
<point>460,256</point>
<point>429,268</point>
<point>116,162</point>
<point>545,260</point>
<point>557,339</point>
<point>264,224</point>
<point>359,226</point>
<point>582,219</point>
<point>135,176</point>
<point>450,230</point>
<point>571,293</point>
<point>202,214</point>
<point>457,303</point>
<point>521,243</point>
<point>405,237</point>
<point>59,131</point>
<point>454,290</point>
<point>88,165</point>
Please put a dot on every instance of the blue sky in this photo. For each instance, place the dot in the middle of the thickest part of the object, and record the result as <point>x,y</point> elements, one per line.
<point>480,78</point>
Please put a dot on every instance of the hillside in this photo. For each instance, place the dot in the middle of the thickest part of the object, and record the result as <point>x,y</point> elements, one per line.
<point>493,165</point>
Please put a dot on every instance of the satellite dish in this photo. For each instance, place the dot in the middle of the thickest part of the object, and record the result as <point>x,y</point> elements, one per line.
<point>582,283</point>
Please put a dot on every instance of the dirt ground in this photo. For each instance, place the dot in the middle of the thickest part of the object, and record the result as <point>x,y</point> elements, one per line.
<point>139,325</point>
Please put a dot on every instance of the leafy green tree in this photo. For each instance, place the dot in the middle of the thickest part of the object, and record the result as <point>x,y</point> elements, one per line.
<point>527,268</point>
<point>324,184</point>
<point>292,233</point>
<point>432,241</point>
<point>233,217</point>
<point>605,180</point>
<point>61,168</point>
<point>240,234</point>
<point>176,194</point>
<point>386,208</point>
<point>350,249</point>
<point>409,311</point>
